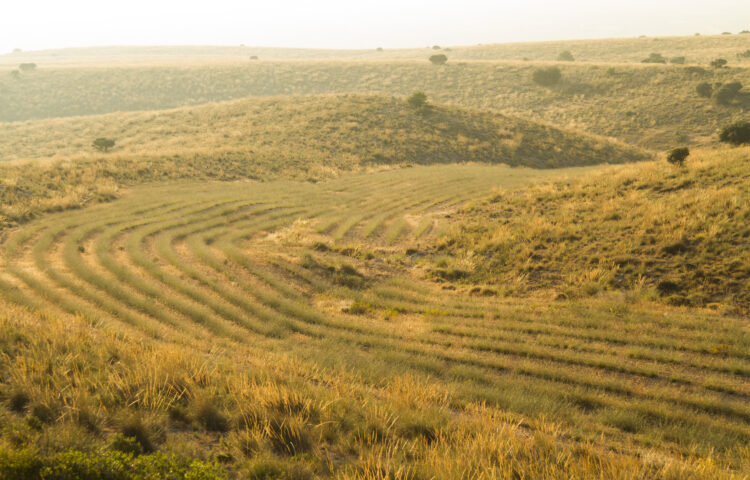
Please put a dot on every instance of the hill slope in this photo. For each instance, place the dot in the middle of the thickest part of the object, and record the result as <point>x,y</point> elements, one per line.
<point>651,106</point>
<point>678,235</point>
<point>300,137</point>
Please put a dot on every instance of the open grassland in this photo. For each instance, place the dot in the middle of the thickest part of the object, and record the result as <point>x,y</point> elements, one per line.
<point>649,106</point>
<point>695,49</point>
<point>285,328</point>
<point>50,165</point>
<point>680,234</point>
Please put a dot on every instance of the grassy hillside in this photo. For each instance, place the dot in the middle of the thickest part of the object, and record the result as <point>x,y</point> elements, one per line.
<point>51,165</point>
<point>696,49</point>
<point>679,235</point>
<point>281,330</point>
<point>651,106</point>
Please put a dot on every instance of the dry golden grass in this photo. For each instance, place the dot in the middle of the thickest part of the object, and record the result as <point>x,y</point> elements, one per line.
<point>51,165</point>
<point>679,234</point>
<point>282,328</point>
<point>650,106</point>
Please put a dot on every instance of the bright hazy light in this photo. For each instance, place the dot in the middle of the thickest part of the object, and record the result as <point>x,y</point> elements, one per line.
<point>41,24</point>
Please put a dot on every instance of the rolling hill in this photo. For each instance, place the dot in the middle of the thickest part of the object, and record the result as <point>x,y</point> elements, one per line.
<point>51,164</point>
<point>677,235</point>
<point>284,329</point>
<point>649,106</point>
<point>696,50</point>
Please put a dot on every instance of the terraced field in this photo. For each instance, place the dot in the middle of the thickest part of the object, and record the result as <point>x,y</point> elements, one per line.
<point>326,271</point>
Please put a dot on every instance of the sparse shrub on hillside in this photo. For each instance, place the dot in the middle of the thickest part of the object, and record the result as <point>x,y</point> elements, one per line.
<point>719,63</point>
<point>654,58</point>
<point>253,57</point>
<point>103,144</point>
<point>704,89</point>
<point>745,54</point>
<point>566,56</point>
<point>725,94</point>
<point>436,47</point>
<point>677,60</point>
<point>15,74</point>
<point>677,156</point>
<point>737,133</point>
<point>439,59</point>
<point>547,76</point>
<point>417,100</point>
<point>27,67</point>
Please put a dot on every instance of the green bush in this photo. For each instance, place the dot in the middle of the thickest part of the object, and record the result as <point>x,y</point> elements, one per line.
<point>654,58</point>
<point>110,465</point>
<point>103,144</point>
<point>417,100</point>
<point>677,60</point>
<point>566,56</point>
<point>719,63</point>
<point>737,133</point>
<point>704,89</point>
<point>439,59</point>
<point>726,93</point>
<point>677,156</point>
<point>547,76</point>
<point>27,67</point>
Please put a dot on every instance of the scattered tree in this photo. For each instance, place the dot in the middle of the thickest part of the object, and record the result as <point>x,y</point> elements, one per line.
<point>436,47</point>
<point>726,33</point>
<point>566,56</point>
<point>379,49</point>
<point>547,76</point>
<point>27,67</point>
<point>719,63</point>
<point>655,58</point>
<point>103,144</point>
<point>253,57</point>
<point>417,100</point>
<point>17,50</point>
<point>439,59</point>
<point>677,60</point>
<point>704,89</point>
<point>737,133</point>
<point>745,54</point>
<point>745,31</point>
<point>677,156</point>
<point>726,93</point>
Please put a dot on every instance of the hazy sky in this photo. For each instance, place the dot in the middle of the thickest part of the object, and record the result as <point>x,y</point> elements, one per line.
<point>38,24</point>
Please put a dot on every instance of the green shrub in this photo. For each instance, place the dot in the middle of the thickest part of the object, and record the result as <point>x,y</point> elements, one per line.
<point>417,100</point>
<point>103,144</point>
<point>677,156</point>
<point>718,63</point>
<point>677,60</point>
<point>737,133</point>
<point>566,56</point>
<point>745,54</point>
<point>27,67</point>
<point>654,58</point>
<point>727,93</point>
<point>439,59</point>
<point>547,76</point>
<point>128,445</point>
<point>704,89</point>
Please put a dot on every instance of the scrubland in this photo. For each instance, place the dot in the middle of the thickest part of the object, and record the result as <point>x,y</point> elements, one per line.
<point>283,270</point>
